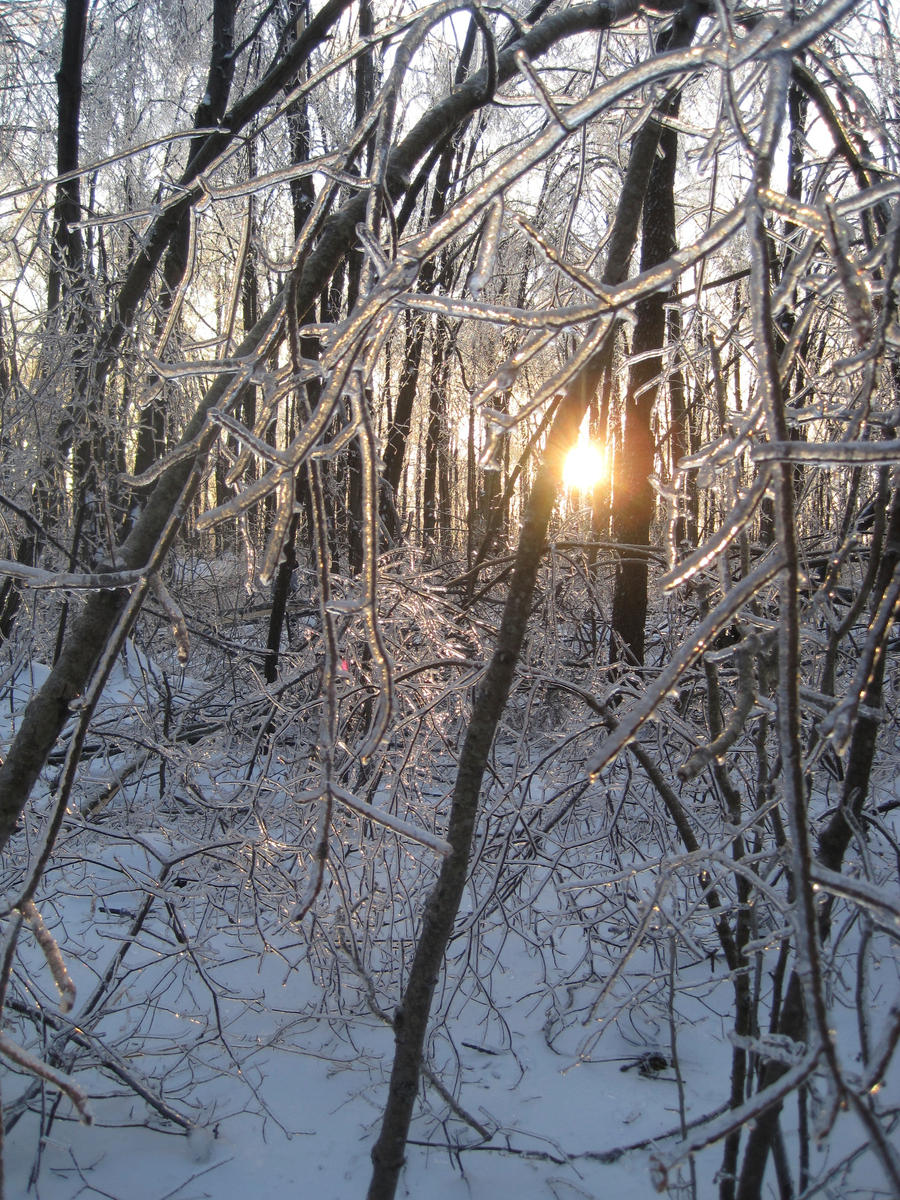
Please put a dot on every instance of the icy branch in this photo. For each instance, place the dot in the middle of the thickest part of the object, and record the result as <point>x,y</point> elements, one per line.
<point>41,1070</point>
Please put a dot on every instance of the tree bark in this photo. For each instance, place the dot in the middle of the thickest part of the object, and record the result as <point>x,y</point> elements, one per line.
<point>634,499</point>
<point>67,241</point>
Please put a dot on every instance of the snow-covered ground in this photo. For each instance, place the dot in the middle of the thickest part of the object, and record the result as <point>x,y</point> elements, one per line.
<point>247,1055</point>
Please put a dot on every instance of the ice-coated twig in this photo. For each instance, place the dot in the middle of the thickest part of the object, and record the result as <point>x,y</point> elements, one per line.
<point>285,502</point>
<point>396,824</point>
<point>503,314</point>
<point>717,1129</point>
<point>651,906</point>
<point>870,454</point>
<point>704,755</point>
<point>98,163</point>
<point>610,298</point>
<point>251,495</point>
<point>102,669</point>
<point>805,215</point>
<point>839,723</point>
<point>270,179</point>
<point>738,516</point>
<point>379,815</point>
<point>380,658</point>
<point>543,96</point>
<point>158,468</point>
<point>580,278</point>
<point>265,417</point>
<point>65,985</point>
<point>883,1050</point>
<point>106,1057</point>
<point>187,278</point>
<point>260,447</point>
<point>853,284</point>
<point>687,654</point>
<point>41,1070</point>
<point>176,617</point>
<point>807,947</point>
<point>884,909</point>
<point>95,581</point>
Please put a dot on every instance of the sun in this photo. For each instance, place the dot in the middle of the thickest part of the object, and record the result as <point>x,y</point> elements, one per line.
<point>585,467</point>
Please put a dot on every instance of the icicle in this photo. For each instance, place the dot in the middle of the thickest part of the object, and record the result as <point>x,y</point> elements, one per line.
<point>853,284</point>
<point>281,522</point>
<point>487,250</point>
<point>176,618</point>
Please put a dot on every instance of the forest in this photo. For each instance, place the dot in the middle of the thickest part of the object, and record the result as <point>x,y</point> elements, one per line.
<point>450,520</point>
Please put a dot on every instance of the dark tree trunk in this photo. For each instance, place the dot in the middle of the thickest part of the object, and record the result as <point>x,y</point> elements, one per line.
<point>401,423</point>
<point>66,256</point>
<point>365,93</point>
<point>434,435</point>
<point>67,241</point>
<point>634,501</point>
<point>411,1017</point>
<point>154,528</point>
<point>685,531</point>
<point>66,265</point>
<point>416,326</point>
<point>151,439</point>
<point>302,199</point>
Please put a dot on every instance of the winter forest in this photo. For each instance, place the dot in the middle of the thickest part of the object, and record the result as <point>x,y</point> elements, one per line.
<point>450,519</point>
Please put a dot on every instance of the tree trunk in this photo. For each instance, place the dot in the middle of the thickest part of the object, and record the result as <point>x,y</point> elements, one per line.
<point>66,257</point>
<point>67,241</point>
<point>634,500</point>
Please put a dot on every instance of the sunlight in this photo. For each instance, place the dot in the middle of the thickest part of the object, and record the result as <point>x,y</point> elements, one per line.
<point>585,467</point>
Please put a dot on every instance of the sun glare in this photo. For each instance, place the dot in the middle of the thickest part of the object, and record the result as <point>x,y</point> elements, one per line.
<point>585,467</point>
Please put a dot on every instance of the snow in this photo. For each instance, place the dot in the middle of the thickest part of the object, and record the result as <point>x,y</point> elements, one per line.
<point>269,1040</point>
